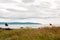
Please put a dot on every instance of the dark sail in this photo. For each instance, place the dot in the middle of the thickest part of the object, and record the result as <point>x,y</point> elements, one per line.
<point>6,24</point>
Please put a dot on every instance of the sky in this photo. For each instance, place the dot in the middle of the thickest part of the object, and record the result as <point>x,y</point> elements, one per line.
<point>39,11</point>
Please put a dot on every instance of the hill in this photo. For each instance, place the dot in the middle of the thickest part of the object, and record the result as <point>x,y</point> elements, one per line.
<point>19,23</point>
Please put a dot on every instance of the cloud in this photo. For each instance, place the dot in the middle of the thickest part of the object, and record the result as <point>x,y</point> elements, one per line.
<point>15,10</point>
<point>7,1</point>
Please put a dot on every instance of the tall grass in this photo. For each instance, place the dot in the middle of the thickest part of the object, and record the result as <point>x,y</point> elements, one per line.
<point>46,33</point>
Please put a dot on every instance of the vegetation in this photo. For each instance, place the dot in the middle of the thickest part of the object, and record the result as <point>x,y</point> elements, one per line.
<point>46,33</point>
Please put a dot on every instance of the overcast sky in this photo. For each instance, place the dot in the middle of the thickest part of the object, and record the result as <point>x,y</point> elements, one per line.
<point>41,11</point>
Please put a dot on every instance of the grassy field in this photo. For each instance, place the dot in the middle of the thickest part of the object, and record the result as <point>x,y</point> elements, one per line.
<point>46,33</point>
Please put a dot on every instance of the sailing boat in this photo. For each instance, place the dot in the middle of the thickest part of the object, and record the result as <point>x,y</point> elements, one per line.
<point>6,24</point>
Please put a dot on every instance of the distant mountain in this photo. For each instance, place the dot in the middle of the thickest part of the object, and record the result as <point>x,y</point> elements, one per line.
<point>19,23</point>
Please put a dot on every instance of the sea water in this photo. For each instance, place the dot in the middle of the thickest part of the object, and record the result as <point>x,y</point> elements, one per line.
<point>18,26</point>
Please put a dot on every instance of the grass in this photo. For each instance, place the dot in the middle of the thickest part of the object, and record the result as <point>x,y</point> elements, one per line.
<point>46,33</point>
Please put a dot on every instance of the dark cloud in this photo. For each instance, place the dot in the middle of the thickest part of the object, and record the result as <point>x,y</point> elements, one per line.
<point>28,1</point>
